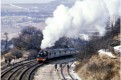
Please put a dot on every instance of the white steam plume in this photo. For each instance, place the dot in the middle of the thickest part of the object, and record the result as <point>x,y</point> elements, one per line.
<point>82,15</point>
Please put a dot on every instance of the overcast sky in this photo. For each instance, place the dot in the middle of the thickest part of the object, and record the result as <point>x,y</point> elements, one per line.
<point>24,1</point>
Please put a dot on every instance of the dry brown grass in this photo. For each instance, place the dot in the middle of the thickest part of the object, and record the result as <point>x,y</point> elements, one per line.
<point>97,68</point>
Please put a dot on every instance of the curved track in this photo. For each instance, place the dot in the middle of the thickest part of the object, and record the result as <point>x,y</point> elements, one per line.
<point>62,72</point>
<point>64,76</point>
<point>23,71</point>
<point>70,74</point>
<point>7,68</point>
<point>27,69</point>
<point>4,67</point>
<point>4,72</point>
<point>27,74</point>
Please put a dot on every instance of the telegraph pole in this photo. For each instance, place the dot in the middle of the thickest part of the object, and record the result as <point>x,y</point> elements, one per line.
<point>6,41</point>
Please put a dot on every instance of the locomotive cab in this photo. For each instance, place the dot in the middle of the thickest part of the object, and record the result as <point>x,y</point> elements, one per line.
<point>42,56</point>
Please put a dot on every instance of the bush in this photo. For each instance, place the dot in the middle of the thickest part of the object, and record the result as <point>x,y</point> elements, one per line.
<point>33,54</point>
<point>30,38</point>
<point>9,56</point>
<point>17,53</point>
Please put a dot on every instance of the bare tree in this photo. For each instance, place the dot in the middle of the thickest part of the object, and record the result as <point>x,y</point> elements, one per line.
<point>62,43</point>
<point>30,38</point>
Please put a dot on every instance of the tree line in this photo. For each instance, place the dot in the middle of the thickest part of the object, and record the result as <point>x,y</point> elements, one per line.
<point>31,39</point>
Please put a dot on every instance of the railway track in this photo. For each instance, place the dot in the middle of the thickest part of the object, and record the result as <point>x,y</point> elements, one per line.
<point>3,72</point>
<point>62,72</point>
<point>27,74</point>
<point>26,71</point>
<point>23,71</point>
<point>68,69</point>
<point>64,76</point>
<point>4,67</point>
<point>14,65</point>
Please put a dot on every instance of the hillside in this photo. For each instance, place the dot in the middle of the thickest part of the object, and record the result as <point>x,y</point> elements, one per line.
<point>99,69</point>
<point>96,67</point>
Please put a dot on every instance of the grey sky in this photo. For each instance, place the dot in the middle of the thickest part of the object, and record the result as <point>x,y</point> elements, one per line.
<point>24,1</point>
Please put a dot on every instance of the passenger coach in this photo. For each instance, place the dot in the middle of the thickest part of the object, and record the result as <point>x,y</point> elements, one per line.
<point>54,53</point>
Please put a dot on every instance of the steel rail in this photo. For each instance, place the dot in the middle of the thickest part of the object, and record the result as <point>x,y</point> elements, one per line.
<point>63,73</point>
<point>13,69</point>
<point>27,73</point>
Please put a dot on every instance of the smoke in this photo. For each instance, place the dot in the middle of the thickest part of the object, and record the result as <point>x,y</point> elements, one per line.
<point>83,15</point>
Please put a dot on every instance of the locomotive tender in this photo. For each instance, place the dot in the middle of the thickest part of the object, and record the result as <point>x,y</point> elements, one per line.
<point>54,53</point>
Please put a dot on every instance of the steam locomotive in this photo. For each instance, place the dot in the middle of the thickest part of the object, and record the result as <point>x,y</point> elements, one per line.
<point>44,55</point>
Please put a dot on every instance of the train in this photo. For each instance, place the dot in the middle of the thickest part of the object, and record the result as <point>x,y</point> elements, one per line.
<point>44,55</point>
